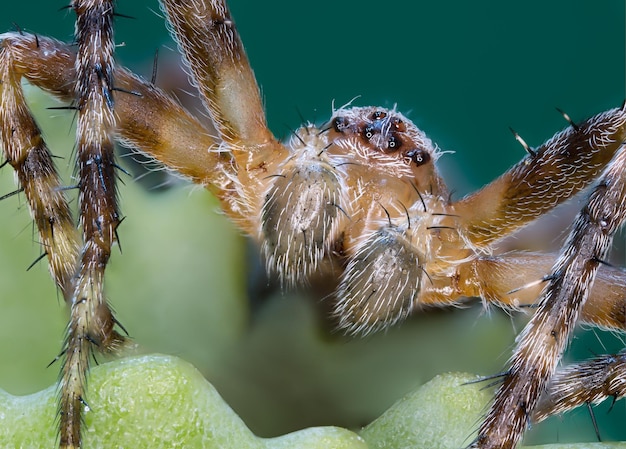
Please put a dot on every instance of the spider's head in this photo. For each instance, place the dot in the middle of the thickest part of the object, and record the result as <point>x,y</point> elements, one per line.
<point>384,139</point>
<point>381,130</point>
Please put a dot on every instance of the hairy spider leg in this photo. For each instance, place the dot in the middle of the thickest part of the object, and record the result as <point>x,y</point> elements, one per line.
<point>110,101</point>
<point>147,117</point>
<point>544,339</point>
<point>219,68</point>
<point>91,320</point>
<point>89,80</point>
<point>544,179</point>
<point>287,198</point>
<point>549,175</point>
<point>77,268</point>
<point>26,151</point>
<point>516,279</point>
<point>585,383</point>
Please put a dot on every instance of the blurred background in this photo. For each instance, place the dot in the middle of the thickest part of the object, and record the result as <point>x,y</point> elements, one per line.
<point>187,283</point>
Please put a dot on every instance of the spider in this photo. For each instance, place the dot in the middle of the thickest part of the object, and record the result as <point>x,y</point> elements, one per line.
<point>349,239</point>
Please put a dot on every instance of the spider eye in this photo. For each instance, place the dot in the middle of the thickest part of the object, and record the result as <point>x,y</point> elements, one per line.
<point>418,156</point>
<point>368,132</point>
<point>393,143</point>
<point>340,124</point>
<point>378,115</point>
<point>398,125</point>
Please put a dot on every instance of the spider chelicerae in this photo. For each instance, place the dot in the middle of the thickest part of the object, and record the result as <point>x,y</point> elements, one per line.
<point>387,214</point>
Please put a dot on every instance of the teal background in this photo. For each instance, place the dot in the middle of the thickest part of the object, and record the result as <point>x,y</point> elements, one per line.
<point>463,71</point>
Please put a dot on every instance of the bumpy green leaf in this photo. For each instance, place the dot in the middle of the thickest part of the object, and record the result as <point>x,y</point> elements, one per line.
<point>161,401</point>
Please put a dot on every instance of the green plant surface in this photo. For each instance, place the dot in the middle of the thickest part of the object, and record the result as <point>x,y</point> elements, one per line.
<point>158,401</point>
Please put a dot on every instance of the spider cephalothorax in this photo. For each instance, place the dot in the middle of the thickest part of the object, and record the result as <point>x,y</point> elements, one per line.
<point>338,184</point>
<point>362,195</point>
<point>358,199</point>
